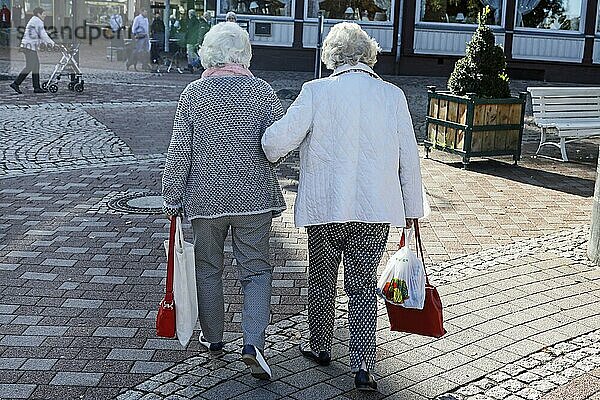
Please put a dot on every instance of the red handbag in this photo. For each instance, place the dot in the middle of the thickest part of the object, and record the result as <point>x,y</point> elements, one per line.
<point>427,322</point>
<point>165,319</point>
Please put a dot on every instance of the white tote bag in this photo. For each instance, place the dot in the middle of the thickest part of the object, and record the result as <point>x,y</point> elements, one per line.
<point>184,286</point>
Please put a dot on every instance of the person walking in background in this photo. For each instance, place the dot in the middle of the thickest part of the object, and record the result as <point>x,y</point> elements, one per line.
<point>230,17</point>
<point>35,38</point>
<point>116,26</point>
<point>158,37</point>
<point>5,22</point>
<point>217,173</point>
<point>16,15</point>
<point>141,34</point>
<point>192,36</point>
<point>203,28</point>
<point>359,174</point>
<point>173,27</point>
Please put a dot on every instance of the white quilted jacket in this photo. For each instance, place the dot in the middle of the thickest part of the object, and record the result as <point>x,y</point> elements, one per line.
<point>358,152</point>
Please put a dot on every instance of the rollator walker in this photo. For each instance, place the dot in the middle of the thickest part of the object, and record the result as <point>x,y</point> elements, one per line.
<point>67,65</point>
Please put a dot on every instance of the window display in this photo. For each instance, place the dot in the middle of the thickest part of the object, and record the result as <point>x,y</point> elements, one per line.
<point>282,8</point>
<point>460,11</point>
<point>358,10</point>
<point>47,5</point>
<point>564,15</point>
<point>99,12</point>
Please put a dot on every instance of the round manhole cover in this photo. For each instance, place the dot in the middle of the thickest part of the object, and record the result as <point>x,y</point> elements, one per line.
<point>138,203</point>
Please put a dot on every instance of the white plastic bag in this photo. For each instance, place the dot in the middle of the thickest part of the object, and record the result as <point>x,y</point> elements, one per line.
<point>403,279</point>
<point>184,286</point>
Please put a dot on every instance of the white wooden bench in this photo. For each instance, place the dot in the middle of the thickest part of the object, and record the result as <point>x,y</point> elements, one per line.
<point>573,111</point>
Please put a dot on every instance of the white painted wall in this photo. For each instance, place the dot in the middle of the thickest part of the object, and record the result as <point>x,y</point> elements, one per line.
<point>445,41</point>
<point>282,33</point>
<point>548,47</point>
<point>384,35</point>
<point>596,57</point>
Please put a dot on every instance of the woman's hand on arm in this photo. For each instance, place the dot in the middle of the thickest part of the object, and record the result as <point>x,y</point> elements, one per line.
<point>287,133</point>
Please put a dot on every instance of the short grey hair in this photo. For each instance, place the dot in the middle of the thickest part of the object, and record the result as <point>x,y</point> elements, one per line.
<point>226,43</point>
<point>231,16</point>
<point>347,43</point>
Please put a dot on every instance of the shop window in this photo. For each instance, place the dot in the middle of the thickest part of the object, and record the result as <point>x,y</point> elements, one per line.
<point>280,8</point>
<point>460,11</point>
<point>98,12</point>
<point>563,15</point>
<point>598,21</point>
<point>358,10</point>
<point>47,5</point>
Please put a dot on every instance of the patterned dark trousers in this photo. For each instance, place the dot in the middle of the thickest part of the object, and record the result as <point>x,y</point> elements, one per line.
<point>362,245</point>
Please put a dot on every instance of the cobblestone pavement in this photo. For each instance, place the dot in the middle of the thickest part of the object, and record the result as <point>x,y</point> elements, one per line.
<point>81,281</point>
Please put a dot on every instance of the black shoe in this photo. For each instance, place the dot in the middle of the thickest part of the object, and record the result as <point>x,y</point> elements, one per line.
<point>39,90</point>
<point>214,348</point>
<point>364,381</point>
<point>16,88</point>
<point>323,358</point>
<point>253,358</point>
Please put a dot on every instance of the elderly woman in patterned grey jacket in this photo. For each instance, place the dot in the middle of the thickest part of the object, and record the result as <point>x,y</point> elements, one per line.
<point>218,174</point>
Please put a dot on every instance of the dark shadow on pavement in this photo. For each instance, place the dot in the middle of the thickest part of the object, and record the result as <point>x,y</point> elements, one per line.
<point>531,175</point>
<point>575,177</point>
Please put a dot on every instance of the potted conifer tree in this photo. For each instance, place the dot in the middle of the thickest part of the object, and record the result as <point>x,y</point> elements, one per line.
<point>477,117</point>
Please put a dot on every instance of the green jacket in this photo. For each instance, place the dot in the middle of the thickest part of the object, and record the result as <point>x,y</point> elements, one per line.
<point>192,32</point>
<point>196,29</point>
<point>204,27</point>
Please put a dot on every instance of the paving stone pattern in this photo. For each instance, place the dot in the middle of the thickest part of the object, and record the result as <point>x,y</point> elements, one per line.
<point>539,373</point>
<point>80,282</point>
<point>526,317</point>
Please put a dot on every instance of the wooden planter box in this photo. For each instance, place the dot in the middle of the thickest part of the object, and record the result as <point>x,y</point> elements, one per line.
<point>474,127</point>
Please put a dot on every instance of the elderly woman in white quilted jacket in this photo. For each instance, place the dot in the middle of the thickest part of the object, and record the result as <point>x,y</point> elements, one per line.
<point>359,174</point>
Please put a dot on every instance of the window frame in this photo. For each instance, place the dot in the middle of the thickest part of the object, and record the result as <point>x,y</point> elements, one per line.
<point>333,21</point>
<point>454,25</point>
<point>597,23</point>
<point>553,32</point>
<point>221,16</point>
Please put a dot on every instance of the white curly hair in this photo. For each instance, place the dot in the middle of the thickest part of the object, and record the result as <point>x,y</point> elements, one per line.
<point>226,43</point>
<point>347,43</point>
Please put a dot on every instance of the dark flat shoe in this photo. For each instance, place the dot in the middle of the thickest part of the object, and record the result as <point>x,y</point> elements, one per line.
<point>323,358</point>
<point>213,348</point>
<point>364,381</point>
<point>16,88</point>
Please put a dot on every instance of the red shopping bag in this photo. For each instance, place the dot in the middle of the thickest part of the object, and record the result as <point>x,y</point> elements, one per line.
<point>165,319</point>
<point>427,322</point>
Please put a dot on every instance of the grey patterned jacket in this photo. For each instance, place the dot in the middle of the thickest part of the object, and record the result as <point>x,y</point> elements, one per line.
<point>215,164</point>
